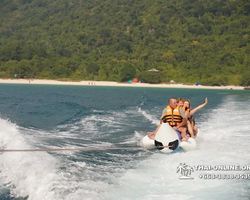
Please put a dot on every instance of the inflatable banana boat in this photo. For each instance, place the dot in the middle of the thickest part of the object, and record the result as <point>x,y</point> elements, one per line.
<point>167,141</point>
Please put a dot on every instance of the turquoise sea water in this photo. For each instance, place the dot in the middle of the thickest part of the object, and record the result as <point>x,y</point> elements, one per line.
<point>42,116</point>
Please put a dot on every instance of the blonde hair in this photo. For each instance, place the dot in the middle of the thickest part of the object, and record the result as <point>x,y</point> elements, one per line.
<point>180,99</point>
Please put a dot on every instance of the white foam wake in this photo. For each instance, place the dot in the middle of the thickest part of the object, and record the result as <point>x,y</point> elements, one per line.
<point>223,140</point>
<point>29,174</point>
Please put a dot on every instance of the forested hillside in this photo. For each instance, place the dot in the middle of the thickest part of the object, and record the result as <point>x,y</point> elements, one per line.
<point>186,40</point>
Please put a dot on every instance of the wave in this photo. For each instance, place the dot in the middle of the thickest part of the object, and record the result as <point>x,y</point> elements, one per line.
<point>40,175</point>
<point>220,142</point>
<point>29,174</point>
<point>123,174</point>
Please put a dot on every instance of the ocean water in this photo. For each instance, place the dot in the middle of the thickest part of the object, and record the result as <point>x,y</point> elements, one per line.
<point>49,117</point>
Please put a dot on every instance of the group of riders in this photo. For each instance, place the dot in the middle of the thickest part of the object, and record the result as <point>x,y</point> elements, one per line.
<point>179,116</point>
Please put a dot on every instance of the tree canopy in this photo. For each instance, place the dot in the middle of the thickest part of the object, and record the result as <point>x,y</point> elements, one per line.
<point>114,40</point>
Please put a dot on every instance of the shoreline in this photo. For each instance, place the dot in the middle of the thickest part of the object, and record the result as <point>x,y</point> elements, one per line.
<point>113,84</point>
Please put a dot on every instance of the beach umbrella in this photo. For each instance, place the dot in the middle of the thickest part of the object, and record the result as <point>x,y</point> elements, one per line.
<point>135,80</point>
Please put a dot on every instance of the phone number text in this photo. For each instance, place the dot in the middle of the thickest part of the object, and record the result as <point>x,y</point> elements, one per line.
<point>224,176</point>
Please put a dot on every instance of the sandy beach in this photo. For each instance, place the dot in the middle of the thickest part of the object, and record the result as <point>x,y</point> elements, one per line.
<point>113,84</point>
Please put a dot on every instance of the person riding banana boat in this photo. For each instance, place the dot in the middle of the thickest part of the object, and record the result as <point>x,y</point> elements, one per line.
<point>192,128</point>
<point>179,116</point>
<point>176,118</point>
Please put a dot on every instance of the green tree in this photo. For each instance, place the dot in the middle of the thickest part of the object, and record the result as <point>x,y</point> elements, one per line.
<point>127,72</point>
<point>245,79</point>
<point>150,77</point>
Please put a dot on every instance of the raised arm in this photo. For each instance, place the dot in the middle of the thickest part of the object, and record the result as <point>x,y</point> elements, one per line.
<point>198,107</point>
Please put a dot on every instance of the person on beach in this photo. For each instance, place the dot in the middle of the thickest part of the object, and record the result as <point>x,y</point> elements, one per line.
<point>192,129</point>
<point>175,117</point>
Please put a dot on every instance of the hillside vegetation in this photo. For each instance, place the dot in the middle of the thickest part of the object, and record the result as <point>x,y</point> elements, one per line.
<point>115,40</point>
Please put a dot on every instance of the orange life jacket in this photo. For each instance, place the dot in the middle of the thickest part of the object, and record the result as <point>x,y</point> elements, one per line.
<point>186,108</point>
<point>173,117</point>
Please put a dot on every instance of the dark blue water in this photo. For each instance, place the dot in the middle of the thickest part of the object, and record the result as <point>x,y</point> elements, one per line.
<point>46,107</point>
<point>42,116</point>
